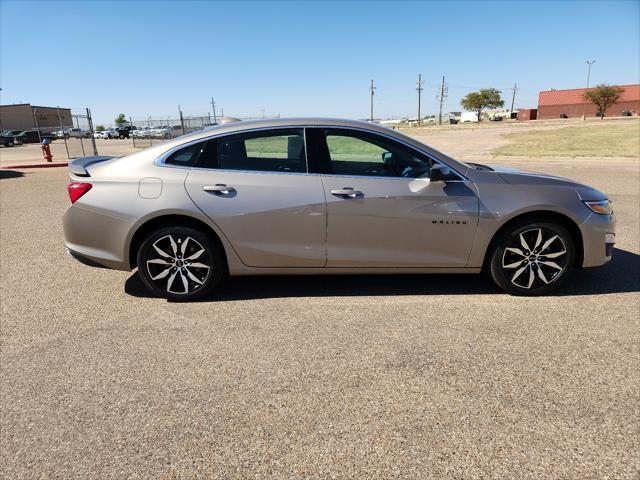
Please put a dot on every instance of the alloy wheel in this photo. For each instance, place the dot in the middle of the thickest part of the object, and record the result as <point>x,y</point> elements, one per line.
<point>535,258</point>
<point>178,264</point>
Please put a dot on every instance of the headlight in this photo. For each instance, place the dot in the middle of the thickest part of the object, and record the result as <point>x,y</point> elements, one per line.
<point>602,207</point>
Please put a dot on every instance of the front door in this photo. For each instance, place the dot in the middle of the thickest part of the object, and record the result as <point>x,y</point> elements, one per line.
<point>257,190</point>
<point>383,210</point>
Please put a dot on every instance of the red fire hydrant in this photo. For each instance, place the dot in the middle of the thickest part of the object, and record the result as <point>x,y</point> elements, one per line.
<point>46,150</point>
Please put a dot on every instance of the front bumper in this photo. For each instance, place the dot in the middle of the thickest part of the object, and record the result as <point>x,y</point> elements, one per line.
<point>598,239</point>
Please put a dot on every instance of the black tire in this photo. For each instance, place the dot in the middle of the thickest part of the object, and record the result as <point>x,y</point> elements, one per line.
<point>174,275</point>
<point>539,269</point>
<point>9,143</point>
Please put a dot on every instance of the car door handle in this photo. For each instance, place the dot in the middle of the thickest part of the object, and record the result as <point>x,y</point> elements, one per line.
<point>347,192</point>
<point>219,189</point>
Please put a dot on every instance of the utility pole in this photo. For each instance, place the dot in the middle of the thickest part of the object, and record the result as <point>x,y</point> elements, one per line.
<point>513,99</point>
<point>441,96</point>
<point>372,90</point>
<point>419,89</point>
<point>584,107</point>
<point>213,106</point>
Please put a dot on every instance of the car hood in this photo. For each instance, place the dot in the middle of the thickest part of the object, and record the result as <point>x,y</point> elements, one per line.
<point>516,176</point>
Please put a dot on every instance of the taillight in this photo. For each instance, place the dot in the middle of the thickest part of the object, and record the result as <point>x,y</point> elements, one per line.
<point>77,189</point>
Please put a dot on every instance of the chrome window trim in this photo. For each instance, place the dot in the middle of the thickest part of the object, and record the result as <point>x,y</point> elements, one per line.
<point>160,161</point>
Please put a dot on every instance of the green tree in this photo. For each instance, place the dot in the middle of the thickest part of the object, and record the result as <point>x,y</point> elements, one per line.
<point>485,98</point>
<point>100,128</point>
<point>121,120</point>
<point>603,96</point>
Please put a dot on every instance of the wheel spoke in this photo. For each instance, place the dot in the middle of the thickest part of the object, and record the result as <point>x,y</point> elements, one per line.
<point>185,283</point>
<point>195,255</point>
<point>547,243</point>
<point>552,265</point>
<point>171,279</point>
<point>162,274</point>
<point>513,265</point>
<point>532,276</point>
<point>517,274</point>
<point>174,247</point>
<point>160,252</point>
<point>517,251</point>
<point>524,244</point>
<point>554,255</point>
<point>183,249</point>
<point>541,275</point>
<point>159,261</point>
<point>198,265</point>
<point>538,239</point>
<point>193,277</point>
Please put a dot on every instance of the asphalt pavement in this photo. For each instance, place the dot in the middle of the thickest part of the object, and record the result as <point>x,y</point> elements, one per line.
<point>332,377</point>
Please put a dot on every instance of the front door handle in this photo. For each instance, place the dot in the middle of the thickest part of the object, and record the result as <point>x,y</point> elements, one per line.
<point>347,192</point>
<point>219,189</point>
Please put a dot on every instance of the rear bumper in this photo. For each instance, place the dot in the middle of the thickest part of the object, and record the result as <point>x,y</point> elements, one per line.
<point>598,238</point>
<point>96,238</point>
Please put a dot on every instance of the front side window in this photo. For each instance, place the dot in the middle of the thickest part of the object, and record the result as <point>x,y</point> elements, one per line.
<point>366,154</point>
<point>278,150</point>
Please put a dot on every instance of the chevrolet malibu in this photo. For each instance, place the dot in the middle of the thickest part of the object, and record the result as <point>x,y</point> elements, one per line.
<point>318,196</point>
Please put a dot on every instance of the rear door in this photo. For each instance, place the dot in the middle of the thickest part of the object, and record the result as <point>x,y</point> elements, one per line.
<point>256,188</point>
<point>382,208</point>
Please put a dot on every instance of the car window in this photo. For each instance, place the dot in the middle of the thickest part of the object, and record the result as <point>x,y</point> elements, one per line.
<point>367,154</point>
<point>187,156</point>
<point>280,150</point>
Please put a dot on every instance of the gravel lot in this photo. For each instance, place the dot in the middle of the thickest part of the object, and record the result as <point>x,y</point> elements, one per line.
<point>347,377</point>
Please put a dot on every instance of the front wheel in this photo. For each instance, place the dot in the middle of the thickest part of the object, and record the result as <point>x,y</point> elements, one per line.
<point>532,258</point>
<point>180,263</point>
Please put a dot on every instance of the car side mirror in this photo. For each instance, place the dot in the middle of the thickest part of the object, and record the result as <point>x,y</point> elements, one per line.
<point>386,157</point>
<point>440,173</point>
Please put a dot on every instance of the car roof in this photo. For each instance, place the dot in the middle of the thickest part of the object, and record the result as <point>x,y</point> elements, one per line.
<point>242,126</point>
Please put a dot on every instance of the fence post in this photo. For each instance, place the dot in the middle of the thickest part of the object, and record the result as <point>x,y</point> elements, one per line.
<point>182,122</point>
<point>80,130</point>
<point>133,138</point>
<point>64,139</point>
<point>35,121</point>
<point>93,138</point>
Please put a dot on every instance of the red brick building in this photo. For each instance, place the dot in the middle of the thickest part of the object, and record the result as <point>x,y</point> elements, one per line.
<point>552,103</point>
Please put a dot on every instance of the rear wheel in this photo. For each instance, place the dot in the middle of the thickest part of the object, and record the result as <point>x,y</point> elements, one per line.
<point>180,263</point>
<point>532,258</point>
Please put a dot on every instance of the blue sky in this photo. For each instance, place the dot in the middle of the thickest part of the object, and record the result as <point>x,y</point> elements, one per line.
<point>305,58</point>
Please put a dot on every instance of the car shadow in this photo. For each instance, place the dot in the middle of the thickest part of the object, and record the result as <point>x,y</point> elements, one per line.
<point>618,277</point>
<point>10,174</point>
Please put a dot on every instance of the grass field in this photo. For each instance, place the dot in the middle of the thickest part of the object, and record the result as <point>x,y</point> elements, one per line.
<point>579,141</point>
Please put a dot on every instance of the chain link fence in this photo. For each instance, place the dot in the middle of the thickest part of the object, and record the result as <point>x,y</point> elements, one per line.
<point>151,131</point>
<point>69,131</point>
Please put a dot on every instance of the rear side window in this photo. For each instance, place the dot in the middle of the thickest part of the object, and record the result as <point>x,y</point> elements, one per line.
<point>279,150</point>
<point>187,156</point>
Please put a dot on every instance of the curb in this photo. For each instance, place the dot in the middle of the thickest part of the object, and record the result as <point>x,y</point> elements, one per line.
<point>34,165</point>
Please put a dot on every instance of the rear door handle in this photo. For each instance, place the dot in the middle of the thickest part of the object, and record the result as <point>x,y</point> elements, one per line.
<point>219,189</point>
<point>347,192</point>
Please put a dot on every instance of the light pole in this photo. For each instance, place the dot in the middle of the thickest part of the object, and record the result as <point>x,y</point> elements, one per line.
<point>584,107</point>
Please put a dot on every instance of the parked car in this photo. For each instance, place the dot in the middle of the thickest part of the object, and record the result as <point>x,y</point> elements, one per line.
<point>7,140</point>
<point>13,133</point>
<point>167,132</point>
<point>144,132</point>
<point>75,133</point>
<point>317,196</point>
<point>109,133</point>
<point>31,136</point>
<point>124,131</point>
